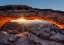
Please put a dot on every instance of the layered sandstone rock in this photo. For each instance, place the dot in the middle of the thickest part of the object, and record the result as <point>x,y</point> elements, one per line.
<point>13,12</point>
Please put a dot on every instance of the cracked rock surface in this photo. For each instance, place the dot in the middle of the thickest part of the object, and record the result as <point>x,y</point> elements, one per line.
<point>42,36</point>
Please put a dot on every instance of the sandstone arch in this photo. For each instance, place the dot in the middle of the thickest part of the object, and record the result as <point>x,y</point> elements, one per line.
<point>13,12</point>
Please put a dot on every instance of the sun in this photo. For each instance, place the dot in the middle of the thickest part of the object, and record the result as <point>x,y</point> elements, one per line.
<point>21,20</point>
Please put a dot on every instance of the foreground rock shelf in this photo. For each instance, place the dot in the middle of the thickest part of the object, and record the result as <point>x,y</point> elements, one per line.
<point>32,37</point>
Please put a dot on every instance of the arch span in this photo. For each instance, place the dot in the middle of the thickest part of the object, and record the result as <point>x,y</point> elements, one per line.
<point>5,19</point>
<point>13,12</point>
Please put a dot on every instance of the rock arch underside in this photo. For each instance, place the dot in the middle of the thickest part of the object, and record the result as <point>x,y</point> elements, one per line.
<point>13,12</point>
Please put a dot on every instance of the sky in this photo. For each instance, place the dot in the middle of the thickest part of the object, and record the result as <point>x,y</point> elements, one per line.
<point>42,4</point>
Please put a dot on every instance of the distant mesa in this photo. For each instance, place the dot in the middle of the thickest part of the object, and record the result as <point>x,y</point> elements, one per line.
<point>13,12</point>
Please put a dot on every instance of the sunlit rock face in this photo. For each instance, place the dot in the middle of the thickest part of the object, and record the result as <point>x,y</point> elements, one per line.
<point>13,12</point>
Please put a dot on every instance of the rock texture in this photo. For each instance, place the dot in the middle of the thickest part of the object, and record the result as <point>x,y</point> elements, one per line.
<point>47,35</point>
<point>10,12</point>
<point>34,37</point>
